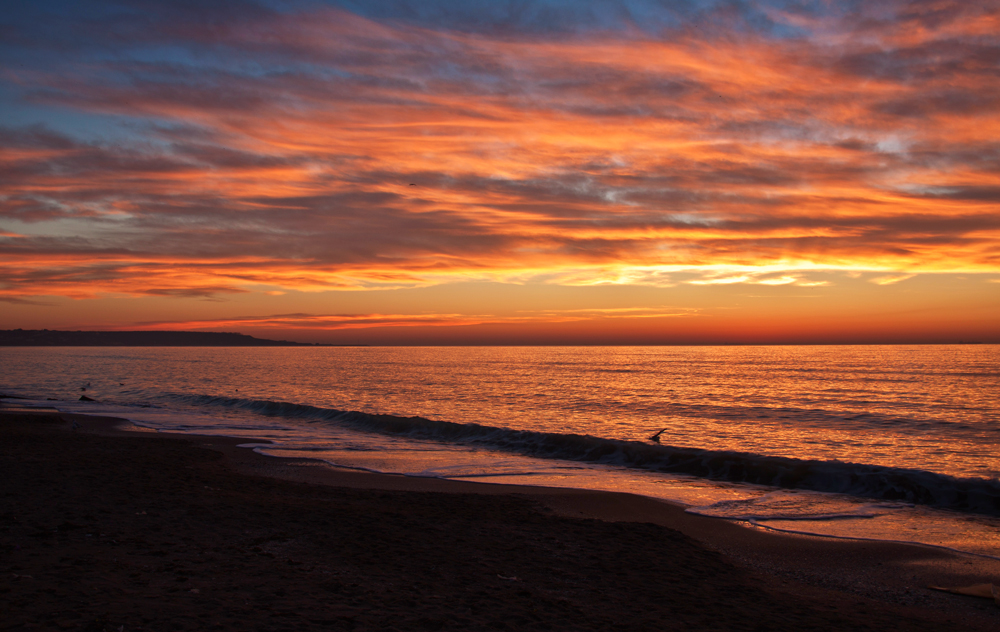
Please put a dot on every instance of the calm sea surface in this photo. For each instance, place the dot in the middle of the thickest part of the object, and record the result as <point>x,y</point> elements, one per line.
<point>885,442</point>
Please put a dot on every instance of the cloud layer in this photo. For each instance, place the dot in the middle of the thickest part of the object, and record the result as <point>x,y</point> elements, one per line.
<point>170,150</point>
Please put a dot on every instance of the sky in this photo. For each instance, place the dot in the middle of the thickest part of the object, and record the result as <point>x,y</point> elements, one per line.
<point>504,172</point>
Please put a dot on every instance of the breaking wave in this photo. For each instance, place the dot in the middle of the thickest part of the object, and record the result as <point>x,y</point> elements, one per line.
<point>976,495</point>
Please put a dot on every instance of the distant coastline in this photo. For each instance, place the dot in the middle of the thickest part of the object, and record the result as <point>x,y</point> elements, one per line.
<point>53,338</point>
<point>59,338</point>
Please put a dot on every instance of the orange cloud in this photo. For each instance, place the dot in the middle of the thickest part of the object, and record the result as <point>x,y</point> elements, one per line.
<point>367,154</point>
<point>332,322</point>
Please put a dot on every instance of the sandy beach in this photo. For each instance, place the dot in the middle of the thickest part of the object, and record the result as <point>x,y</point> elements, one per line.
<point>105,528</point>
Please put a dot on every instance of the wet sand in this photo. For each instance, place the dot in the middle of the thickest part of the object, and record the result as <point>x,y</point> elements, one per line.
<point>105,529</point>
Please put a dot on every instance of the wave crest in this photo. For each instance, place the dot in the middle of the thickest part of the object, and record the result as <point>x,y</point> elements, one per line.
<point>977,495</point>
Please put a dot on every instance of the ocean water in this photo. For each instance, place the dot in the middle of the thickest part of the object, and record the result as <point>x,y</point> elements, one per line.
<point>883,442</point>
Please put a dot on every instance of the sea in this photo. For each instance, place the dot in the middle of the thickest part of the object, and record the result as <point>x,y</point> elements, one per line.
<point>897,443</point>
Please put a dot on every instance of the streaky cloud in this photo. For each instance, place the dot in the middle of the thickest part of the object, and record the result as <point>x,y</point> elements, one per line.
<point>320,146</point>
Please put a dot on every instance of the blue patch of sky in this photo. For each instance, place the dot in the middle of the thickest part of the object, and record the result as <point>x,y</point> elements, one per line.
<point>535,16</point>
<point>577,16</point>
<point>17,111</point>
<point>104,24</point>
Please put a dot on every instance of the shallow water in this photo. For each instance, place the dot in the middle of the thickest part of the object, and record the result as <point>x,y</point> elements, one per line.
<point>906,436</point>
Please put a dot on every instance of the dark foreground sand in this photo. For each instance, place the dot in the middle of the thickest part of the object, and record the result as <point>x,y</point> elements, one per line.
<point>109,530</point>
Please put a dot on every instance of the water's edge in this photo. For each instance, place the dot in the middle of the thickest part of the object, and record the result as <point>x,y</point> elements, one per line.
<point>973,495</point>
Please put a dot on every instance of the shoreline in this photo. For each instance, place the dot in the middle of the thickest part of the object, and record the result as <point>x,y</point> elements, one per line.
<point>542,486</point>
<point>801,568</point>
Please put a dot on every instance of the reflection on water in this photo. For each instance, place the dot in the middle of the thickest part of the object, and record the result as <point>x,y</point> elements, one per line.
<point>927,408</point>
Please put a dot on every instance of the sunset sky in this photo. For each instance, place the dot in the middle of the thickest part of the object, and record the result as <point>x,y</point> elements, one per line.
<point>459,171</point>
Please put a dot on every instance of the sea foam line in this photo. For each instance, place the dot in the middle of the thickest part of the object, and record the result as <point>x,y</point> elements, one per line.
<point>858,538</point>
<point>976,495</point>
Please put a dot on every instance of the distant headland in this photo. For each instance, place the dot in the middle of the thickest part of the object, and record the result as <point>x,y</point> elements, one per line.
<point>52,338</point>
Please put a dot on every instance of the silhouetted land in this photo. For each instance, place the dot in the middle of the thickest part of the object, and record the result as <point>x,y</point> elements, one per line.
<point>52,338</point>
